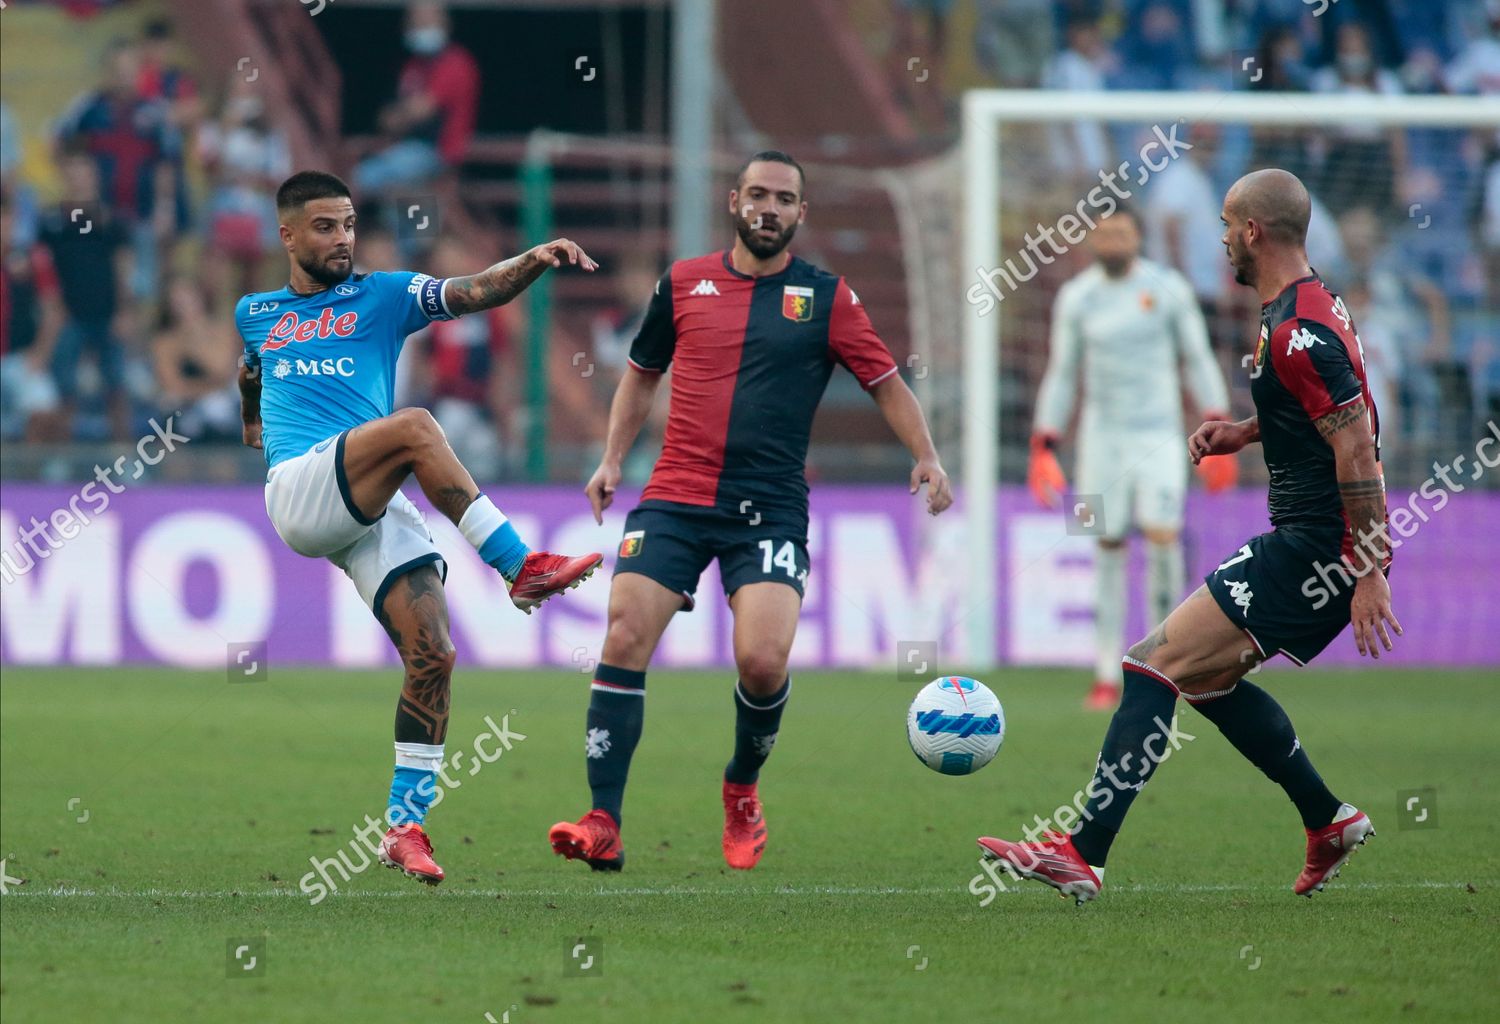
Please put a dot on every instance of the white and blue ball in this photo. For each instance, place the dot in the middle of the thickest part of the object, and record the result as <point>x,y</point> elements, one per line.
<point>956,725</point>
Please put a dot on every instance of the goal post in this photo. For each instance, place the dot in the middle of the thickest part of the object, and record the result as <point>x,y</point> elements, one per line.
<point>983,153</point>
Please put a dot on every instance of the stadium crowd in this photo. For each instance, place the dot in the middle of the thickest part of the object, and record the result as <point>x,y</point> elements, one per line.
<point>174,176</point>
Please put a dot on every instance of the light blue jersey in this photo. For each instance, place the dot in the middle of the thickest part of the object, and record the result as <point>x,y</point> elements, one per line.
<point>328,361</point>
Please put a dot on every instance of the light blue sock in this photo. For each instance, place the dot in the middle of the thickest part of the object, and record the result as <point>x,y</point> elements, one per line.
<point>493,536</point>
<point>411,795</point>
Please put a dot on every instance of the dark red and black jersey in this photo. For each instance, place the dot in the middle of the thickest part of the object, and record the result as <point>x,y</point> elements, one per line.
<point>1308,363</point>
<point>750,359</point>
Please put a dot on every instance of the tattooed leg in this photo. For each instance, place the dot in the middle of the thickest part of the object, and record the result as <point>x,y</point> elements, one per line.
<point>415,615</point>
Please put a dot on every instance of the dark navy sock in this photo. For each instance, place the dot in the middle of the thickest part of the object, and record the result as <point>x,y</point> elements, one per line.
<point>1250,718</point>
<point>617,710</point>
<point>1140,735</point>
<point>756,723</point>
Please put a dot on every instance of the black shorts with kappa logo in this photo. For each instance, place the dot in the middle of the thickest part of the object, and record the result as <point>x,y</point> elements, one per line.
<point>1285,589</point>
<point>672,543</point>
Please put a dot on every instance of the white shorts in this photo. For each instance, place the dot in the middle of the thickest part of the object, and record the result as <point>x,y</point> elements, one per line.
<point>1138,480</point>
<point>309,503</point>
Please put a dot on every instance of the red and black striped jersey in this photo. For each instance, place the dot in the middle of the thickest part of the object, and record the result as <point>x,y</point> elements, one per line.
<point>750,359</point>
<point>1308,363</point>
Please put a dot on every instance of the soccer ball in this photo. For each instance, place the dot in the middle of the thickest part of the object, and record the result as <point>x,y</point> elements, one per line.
<point>956,725</point>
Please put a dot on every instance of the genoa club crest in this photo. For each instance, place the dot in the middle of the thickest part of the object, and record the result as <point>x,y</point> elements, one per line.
<point>797,303</point>
<point>631,543</point>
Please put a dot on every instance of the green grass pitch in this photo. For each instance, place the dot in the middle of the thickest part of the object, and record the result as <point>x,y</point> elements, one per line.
<point>162,819</point>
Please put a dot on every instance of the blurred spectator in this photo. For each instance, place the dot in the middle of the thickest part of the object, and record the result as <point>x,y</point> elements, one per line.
<point>432,119</point>
<point>88,247</point>
<point>194,355</point>
<point>460,364</point>
<point>1363,161</point>
<point>375,250</point>
<point>30,316</point>
<point>166,83</point>
<point>1083,148</point>
<point>246,158</point>
<point>612,332</point>
<point>21,195</point>
<point>1156,48</point>
<point>126,134</point>
<point>1476,69</point>
<point>1404,323</point>
<point>921,34</point>
<point>1182,218</point>
<point>1014,40</point>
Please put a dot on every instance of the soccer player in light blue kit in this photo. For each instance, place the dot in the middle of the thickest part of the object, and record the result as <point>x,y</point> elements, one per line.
<point>317,385</point>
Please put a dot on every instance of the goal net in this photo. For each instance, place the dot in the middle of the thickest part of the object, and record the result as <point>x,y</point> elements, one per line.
<point>1399,229</point>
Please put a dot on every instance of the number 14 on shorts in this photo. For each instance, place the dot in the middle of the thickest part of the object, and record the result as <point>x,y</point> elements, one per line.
<point>785,557</point>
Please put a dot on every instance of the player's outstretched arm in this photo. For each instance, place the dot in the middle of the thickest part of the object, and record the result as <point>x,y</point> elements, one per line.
<point>902,411</point>
<point>1347,431</point>
<point>505,280</point>
<point>627,414</point>
<point>250,404</point>
<point>1221,437</point>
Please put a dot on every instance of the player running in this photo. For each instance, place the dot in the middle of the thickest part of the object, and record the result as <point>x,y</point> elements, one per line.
<point>317,389</point>
<point>1130,323</point>
<point>751,335</point>
<point>1319,432</point>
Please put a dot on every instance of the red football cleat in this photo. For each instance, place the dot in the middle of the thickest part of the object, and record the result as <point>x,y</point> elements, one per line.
<point>1105,696</point>
<point>1053,860</point>
<point>407,848</point>
<point>744,826</point>
<point>1328,847</point>
<point>594,839</point>
<point>544,574</point>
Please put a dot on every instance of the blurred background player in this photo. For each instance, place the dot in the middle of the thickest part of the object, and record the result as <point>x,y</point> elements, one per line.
<point>751,335</point>
<point>1133,328</point>
<point>317,385</point>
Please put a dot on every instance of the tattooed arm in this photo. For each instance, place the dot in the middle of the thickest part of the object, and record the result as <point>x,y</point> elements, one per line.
<point>509,278</point>
<point>250,404</point>
<point>1347,431</point>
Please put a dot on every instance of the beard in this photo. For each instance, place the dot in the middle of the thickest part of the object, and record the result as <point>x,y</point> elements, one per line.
<point>321,272</point>
<point>760,247</point>
<point>1115,266</point>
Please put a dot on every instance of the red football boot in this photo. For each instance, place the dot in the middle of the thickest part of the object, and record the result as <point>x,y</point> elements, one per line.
<point>594,839</point>
<point>544,574</point>
<point>407,848</point>
<point>1328,847</point>
<point>1105,696</point>
<point>1053,860</point>
<point>744,826</point>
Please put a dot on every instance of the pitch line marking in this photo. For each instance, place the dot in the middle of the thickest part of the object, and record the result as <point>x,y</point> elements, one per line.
<point>71,892</point>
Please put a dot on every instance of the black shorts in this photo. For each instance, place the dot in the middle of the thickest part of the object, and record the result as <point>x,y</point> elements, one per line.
<point>673,543</point>
<point>1286,590</point>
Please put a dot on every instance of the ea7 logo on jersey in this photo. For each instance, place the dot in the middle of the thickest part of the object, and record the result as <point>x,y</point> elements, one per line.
<point>1302,339</point>
<point>292,327</point>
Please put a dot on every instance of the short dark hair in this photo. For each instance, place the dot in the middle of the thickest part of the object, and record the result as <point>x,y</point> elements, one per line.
<point>771,156</point>
<point>305,186</point>
<point>1129,211</point>
<point>157,28</point>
